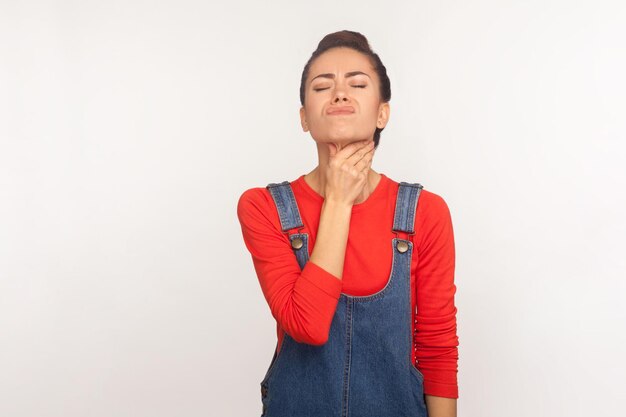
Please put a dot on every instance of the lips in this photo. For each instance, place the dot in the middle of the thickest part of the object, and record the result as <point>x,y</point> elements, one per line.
<point>340,110</point>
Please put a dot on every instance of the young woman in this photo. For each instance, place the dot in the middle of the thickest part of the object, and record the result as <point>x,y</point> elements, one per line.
<point>357,269</point>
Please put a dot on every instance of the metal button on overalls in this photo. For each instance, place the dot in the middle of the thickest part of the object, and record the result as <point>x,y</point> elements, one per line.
<point>297,243</point>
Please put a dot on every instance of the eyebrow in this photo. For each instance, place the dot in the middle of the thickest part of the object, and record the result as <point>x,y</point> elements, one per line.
<point>332,76</point>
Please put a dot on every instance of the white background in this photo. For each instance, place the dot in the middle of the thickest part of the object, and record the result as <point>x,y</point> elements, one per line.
<point>129,129</point>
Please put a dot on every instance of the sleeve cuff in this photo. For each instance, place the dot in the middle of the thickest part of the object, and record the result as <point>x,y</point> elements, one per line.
<point>439,389</point>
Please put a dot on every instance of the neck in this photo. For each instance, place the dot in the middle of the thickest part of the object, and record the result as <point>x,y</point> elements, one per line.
<point>317,177</point>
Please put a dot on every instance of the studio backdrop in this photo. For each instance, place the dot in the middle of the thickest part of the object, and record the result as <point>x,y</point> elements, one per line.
<point>129,129</point>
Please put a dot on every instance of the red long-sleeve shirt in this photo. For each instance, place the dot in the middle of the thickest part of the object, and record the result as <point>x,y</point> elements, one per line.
<point>303,302</point>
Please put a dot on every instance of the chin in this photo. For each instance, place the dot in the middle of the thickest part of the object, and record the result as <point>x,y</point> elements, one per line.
<point>343,137</point>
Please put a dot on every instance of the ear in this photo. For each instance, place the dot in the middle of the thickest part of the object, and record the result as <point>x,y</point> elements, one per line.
<point>383,115</point>
<point>303,122</point>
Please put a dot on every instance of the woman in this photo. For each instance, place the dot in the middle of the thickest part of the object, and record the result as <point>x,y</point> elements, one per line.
<point>357,274</point>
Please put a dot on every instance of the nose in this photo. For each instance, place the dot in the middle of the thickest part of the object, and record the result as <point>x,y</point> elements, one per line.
<point>340,95</point>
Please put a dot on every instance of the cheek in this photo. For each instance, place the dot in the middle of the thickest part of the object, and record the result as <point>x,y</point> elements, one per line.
<point>313,105</point>
<point>372,109</point>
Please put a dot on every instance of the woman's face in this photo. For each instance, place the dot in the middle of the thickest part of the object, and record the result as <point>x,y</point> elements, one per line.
<point>342,78</point>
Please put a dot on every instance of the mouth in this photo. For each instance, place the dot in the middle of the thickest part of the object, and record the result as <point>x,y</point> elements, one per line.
<point>340,111</point>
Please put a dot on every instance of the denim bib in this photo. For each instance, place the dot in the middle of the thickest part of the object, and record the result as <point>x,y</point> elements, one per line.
<point>365,367</point>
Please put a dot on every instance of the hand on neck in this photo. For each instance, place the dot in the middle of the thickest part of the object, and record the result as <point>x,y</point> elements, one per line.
<point>317,180</point>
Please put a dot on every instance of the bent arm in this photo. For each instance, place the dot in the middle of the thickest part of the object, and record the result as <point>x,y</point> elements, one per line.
<point>303,302</point>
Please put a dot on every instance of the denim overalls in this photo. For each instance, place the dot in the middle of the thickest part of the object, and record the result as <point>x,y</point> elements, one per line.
<point>365,368</point>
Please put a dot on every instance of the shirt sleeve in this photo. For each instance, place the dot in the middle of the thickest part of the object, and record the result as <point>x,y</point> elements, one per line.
<point>303,302</point>
<point>436,340</point>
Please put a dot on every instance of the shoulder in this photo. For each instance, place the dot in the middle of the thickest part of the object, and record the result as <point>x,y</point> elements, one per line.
<point>429,203</point>
<point>253,195</point>
<point>432,204</point>
<point>256,199</point>
<point>259,199</point>
<point>258,215</point>
<point>433,221</point>
<point>432,210</point>
<point>257,210</point>
<point>432,215</point>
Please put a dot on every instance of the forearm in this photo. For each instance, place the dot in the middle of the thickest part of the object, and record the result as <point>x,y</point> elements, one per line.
<point>332,237</point>
<point>440,406</point>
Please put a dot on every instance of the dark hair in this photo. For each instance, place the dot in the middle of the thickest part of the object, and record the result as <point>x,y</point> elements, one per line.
<point>358,42</point>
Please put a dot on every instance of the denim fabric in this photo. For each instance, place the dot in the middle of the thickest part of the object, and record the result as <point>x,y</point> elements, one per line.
<point>365,368</point>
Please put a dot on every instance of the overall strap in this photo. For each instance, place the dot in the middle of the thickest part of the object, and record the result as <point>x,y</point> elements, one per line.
<point>406,205</point>
<point>286,204</point>
<point>289,215</point>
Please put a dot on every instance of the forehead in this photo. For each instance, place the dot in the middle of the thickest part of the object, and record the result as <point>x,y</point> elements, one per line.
<point>340,60</point>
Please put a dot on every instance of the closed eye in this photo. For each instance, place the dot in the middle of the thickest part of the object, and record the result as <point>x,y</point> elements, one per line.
<point>356,86</point>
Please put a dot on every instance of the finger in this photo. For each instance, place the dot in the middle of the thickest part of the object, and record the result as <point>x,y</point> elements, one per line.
<point>351,149</point>
<point>365,162</point>
<point>360,154</point>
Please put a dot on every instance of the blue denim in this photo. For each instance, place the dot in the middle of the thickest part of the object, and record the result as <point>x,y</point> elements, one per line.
<point>365,367</point>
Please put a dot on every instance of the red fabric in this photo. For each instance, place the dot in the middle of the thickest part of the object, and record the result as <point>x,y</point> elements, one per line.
<point>303,301</point>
